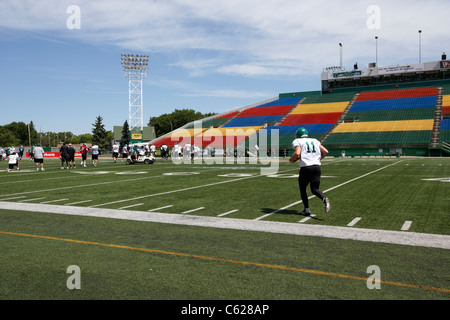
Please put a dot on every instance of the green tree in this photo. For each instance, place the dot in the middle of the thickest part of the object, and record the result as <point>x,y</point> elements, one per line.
<point>126,135</point>
<point>49,139</point>
<point>99,134</point>
<point>74,140</point>
<point>109,138</point>
<point>86,138</point>
<point>170,121</point>
<point>7,137</point>
<point>65,136</point>
<point>34,136</point>
<point>20,131</point>
<point>17,134</point>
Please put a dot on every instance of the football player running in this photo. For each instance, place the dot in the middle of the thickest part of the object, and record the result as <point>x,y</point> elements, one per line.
<point>310,152</point>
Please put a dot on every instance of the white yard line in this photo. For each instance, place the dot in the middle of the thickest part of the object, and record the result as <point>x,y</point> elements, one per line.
<point>78,202</point>
<point>168,192</point>
<point>187,189</point>
<point>307,218</point>
<point>51,201</point>
<point>34,199</point>
<point>13,198</point>
<point>357,234</point>
<point>131,206</point>
<point>78,186</point>
<point>175,191</point>
<point>165,207</point>
<point>193,210</point>
<point>227,213</point>
<point>335,187</point>
<point>406,226</point>
<point>353,222</point>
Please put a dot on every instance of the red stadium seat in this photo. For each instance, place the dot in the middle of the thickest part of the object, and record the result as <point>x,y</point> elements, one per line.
<point>311,118</point>
<point>398,94</point>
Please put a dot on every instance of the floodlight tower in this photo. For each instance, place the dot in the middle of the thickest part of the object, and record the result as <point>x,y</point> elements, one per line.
<point>135,69</point>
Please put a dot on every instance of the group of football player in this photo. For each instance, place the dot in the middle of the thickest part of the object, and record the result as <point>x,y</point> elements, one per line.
<point>67,153</point>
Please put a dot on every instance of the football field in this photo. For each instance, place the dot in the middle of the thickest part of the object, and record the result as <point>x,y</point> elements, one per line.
<point>225,231</point>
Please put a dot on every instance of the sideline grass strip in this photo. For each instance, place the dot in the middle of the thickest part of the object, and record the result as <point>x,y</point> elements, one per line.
<point>415,286</point>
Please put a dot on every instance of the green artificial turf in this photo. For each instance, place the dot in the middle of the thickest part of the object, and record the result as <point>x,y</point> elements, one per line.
<point>198,263</point>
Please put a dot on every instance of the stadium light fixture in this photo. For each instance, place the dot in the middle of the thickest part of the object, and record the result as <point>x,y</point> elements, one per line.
<point>135,69</point>
<point>341,45</point>
<point>420,45</point>
<point>376,51</point>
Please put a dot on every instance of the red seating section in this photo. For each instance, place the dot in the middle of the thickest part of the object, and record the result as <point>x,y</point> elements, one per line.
<point>311,118</point>
<point>228,115</point>
<point>398,94</point>
<point>445,110</point>
<point>221,141</point>
<point>212,141</point>
<point>265,111</point>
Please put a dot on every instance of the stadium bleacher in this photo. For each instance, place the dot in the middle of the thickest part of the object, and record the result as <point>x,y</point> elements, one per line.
<point>317,117</point>
<point>251,121</point>
<point>445,131</point>
<point>388,117</point>
<point>446,105</point>
<point>227,136</point>
<point>238,126</point>
<point>351,119</point>
<point>259,115</point>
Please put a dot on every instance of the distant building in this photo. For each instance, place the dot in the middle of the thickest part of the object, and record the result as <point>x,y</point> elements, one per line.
<point>147,135</point>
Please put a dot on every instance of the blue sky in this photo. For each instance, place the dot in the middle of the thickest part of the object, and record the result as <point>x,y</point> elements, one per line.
<point>208,55</point>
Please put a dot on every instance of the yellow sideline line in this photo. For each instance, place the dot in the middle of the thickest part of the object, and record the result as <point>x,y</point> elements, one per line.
<point>228,261</point>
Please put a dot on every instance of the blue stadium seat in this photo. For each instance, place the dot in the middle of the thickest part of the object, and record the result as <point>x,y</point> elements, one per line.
<point>388,104</point>
<point>282,102</point>
<point>251,121</point>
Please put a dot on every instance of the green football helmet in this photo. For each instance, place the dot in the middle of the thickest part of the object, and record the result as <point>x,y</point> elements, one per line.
<point>301,132</point>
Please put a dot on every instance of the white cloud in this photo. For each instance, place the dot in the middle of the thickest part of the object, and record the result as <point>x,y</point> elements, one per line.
<point>192,89</point>
<point>246,37</point>
<point>227,93</point>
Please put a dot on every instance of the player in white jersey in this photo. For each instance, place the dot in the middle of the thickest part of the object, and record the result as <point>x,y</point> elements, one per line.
<point>176,151</point>
<point>115,150</point>
<point>38,156</point>
<point>95,153</point>
<point>152,150</point>
<point>310,152</point>
<point>13,161</point>
<point>187,151</point>
<point>125,152</point>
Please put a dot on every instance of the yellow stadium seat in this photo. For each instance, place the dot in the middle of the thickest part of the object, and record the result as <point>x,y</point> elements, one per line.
<point>385,126</point>
<point>446,101</point>
<point>232,131</point>
<point>187,132</point>
<point>320,108</point>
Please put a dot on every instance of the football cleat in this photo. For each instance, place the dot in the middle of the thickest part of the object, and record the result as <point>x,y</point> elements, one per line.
<point>326,203</point>
<point>304,213</point>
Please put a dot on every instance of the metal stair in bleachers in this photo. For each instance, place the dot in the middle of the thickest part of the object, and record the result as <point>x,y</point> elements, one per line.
<point>437,121</point>
<point>342,117</point>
